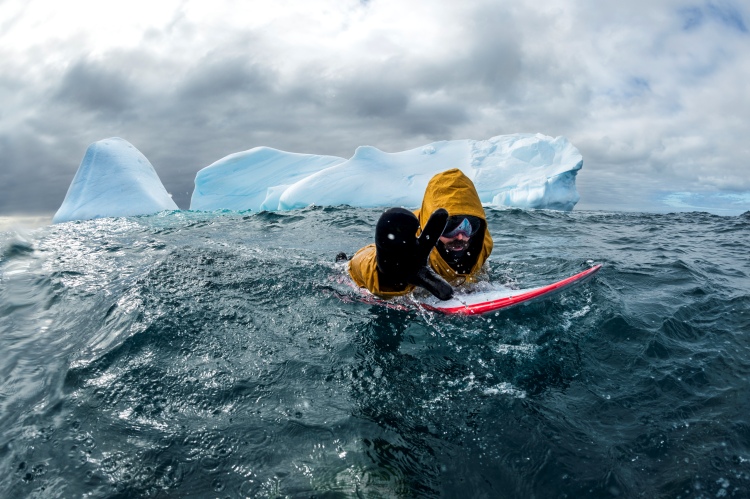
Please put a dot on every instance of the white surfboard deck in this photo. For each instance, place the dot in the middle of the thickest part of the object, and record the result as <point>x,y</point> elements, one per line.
<point>483,302</point>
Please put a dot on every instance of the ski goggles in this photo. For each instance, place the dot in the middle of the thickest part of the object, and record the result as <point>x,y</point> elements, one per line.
<point>461,224</point>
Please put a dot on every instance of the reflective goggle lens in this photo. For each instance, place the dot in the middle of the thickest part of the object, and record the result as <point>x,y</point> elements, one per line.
<point>460,225</point>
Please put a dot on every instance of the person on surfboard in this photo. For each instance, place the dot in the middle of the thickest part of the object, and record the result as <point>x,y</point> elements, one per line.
<point>451,221</point>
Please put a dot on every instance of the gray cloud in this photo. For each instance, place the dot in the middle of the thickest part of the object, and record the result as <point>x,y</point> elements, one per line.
<point>653,108</point>
<point>217,77</point>
<point>95,88</point>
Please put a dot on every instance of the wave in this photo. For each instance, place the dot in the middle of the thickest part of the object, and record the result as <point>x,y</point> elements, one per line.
<point>206,353</point>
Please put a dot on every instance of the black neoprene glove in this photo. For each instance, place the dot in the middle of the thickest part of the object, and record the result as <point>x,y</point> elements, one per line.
<point>403,258</point>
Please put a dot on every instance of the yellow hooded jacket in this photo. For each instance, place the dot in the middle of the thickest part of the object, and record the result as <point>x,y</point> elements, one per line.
<point>451,190</point>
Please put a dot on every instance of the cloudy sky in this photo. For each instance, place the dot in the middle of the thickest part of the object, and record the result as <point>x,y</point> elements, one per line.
<point>653,93</point>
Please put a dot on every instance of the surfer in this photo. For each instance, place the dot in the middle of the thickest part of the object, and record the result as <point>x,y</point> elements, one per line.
<point>451,220</point>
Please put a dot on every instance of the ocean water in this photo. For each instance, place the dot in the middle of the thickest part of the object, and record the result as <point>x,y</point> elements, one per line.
<point>212,355</point>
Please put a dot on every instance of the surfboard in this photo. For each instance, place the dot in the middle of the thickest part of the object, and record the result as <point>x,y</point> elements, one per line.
<point>483,302</point>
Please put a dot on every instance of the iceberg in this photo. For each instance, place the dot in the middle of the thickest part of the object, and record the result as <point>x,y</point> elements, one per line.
<point>719,203</point>
<point>253,179</point>
<point>518,171</point>
<point>114,180</point>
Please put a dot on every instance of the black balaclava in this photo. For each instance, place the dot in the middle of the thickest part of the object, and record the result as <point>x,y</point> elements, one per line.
<point>463,261</point>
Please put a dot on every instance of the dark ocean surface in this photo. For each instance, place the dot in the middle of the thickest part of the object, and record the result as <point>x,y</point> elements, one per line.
<point>211,355</point>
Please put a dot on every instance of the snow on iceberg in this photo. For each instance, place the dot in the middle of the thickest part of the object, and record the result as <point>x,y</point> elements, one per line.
<point>114,180</point>
<point>519,170</point>
<point>254,179</point>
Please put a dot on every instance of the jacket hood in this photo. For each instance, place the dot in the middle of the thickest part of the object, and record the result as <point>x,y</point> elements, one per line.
<point>455,192</point>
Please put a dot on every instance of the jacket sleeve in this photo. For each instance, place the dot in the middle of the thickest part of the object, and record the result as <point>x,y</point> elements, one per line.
<point>363,269</point>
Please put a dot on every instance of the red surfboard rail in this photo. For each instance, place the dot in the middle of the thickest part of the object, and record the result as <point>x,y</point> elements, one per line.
<point>522,297</point>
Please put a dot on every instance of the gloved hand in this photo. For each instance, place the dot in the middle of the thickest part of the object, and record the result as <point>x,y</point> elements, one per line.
<point>403,258</point>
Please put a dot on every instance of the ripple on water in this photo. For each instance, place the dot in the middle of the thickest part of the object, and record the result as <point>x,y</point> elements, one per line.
<point>206,354</point>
